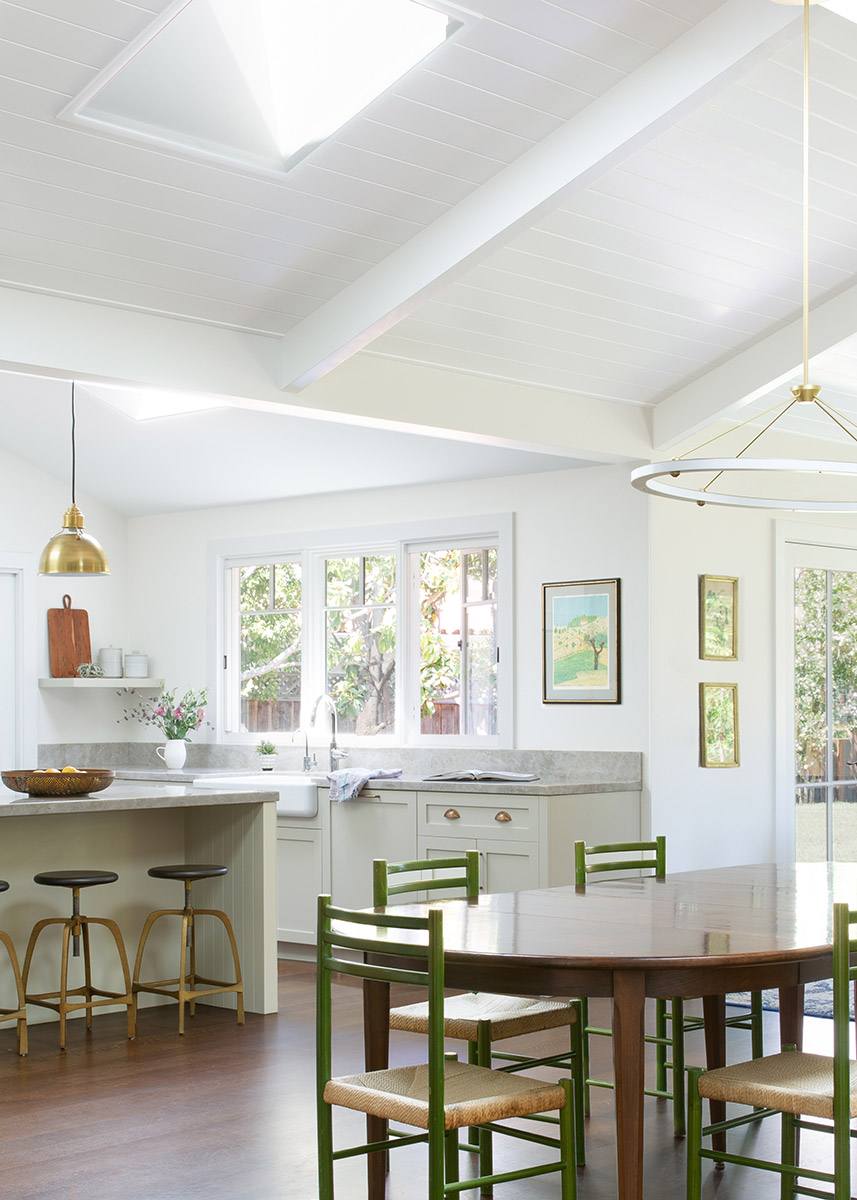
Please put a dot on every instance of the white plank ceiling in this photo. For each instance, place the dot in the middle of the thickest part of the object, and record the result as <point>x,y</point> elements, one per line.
<point>677,251</point>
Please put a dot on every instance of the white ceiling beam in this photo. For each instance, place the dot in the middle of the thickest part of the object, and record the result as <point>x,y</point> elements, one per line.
<point>765,365</point>
<point>62,338</point>
<point>608,130</point>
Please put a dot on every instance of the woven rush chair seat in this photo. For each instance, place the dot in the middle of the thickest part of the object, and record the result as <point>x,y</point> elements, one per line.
<point>792,1082</point>
<point>510,1016</point>
<point>472,1095</point>
<point>812,1092</point>
<point>482,1019</point>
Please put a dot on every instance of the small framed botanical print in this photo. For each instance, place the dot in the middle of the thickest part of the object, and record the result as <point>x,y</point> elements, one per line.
<point>718,617</point>
<point>580,655</point>
<point>718,725</point>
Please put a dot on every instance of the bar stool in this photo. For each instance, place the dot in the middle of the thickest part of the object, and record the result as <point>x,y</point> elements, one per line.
<point>73,927</point>
<point>185,987</point>
<point>18,1014</point>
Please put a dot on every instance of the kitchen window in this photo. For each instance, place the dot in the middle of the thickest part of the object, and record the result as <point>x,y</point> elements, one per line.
<point>404,635</point>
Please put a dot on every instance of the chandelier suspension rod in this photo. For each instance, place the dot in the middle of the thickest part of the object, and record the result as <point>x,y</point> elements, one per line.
<point>806,193</point>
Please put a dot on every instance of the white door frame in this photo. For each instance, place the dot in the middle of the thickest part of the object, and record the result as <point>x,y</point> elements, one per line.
<point>22,568</point>
<point>788,535</point>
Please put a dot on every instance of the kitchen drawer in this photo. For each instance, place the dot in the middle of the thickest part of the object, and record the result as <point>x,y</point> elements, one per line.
<point>454,814</point>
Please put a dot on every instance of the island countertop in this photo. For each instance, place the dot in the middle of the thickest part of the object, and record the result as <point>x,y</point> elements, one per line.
<point>124,797</point>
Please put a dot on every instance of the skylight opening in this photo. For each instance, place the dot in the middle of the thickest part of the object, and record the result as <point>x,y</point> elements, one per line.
<point>263,81</point>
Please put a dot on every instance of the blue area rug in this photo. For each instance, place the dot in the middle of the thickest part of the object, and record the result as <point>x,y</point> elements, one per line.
<point>818,999</point>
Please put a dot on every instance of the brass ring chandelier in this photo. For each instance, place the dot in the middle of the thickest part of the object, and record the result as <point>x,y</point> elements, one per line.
<point>656,478</point>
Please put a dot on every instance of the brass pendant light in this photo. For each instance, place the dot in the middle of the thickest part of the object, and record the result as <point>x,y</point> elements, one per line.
<point>656,478</point>
<point>72,551</point>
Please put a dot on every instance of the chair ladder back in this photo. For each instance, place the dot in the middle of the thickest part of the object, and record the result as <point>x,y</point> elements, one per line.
<point>583,867</point>
<point>843,975</point>
<point>464,874</point>
<point>328,939</point>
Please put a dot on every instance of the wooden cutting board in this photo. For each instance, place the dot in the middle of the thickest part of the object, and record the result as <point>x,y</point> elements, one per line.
<point>68,639</point>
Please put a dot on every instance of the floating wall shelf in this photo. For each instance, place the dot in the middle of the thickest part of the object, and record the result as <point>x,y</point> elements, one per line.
<point>121,684</point>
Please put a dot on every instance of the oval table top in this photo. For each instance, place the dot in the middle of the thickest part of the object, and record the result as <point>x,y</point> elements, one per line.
<point>758,913</point>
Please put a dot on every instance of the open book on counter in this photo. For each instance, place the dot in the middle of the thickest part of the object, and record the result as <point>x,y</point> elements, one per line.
<point>482,777</point>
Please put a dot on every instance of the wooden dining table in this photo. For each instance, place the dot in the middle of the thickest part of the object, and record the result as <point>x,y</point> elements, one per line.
<point>691,934</point>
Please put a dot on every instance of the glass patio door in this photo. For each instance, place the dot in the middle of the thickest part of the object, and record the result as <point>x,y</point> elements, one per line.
<point>825,704</point>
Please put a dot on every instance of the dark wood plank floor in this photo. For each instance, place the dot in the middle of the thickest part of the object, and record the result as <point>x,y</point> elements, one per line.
<point>229,1112</point>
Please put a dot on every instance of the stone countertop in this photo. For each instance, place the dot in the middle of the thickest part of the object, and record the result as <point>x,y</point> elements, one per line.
<point>544,786</point>
<point>122,797</point>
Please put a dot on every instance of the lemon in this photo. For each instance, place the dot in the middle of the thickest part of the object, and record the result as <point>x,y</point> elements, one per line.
<point>70,771</point>
<point>52,770</point>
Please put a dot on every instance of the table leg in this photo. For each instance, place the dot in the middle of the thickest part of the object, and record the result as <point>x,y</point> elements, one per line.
<point>629,999</point>
<point>791,1016</point>
<point>714,1012</point>
<point>376,1049</point>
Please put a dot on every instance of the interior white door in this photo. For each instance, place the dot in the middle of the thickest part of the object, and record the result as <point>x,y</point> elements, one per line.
<point>9,670</point>
<point>824,689</point>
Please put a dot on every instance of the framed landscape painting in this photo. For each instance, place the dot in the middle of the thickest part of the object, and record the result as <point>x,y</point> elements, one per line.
<point>718,617</point>
<point>581,642</point>
<point>718,725</point>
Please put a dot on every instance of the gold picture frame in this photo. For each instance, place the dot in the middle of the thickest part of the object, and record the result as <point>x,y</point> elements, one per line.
<point>718,618</point>
<point>718,725</point>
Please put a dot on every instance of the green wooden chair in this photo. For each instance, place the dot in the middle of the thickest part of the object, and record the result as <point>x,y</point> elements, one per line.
<point>671,1021</point>
<point>808,1091</point>
<point>439,1097</point>
<point>481,1018</point>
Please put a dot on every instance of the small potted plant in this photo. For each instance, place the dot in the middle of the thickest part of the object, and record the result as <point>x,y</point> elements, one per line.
<point>267,752</point>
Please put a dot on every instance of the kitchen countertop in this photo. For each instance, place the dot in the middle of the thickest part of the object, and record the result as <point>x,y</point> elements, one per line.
<point>121,797</point>
<point>544,786</point>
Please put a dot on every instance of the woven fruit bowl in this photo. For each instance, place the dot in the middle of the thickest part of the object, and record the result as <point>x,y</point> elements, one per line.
<point>57,784</point>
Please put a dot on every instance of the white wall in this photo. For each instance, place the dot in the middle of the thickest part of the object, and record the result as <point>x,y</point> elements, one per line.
<point>33,504</point>
<point>713,816</point>
<point>584,524</point>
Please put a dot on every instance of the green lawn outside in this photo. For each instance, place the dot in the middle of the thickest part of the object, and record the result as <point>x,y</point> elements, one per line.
<point>577,669</point>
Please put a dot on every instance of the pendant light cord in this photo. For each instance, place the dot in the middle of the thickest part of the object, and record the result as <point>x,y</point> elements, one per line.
<point>73,456</point>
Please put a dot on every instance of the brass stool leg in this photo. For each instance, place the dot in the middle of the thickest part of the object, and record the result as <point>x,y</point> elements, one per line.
<point>19,987</point>
<point>238,987</point>
<point>183,970</point>
<point>63,992</point>
<point>128,998</point>
<point>31,944</point>
<point>87,973</point>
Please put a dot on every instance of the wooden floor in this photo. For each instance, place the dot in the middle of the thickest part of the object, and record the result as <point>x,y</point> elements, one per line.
<point>229,1112</point>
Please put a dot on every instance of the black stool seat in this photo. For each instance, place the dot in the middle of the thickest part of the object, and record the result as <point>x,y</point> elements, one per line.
<point>74,879</point>
<point>4,886</point>
<point>188,871</point>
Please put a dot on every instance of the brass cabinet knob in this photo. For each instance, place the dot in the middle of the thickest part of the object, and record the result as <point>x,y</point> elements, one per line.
<point>452,814</point>
<point>502,816</point>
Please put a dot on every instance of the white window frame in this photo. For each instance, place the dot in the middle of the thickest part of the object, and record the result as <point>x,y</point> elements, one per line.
<point>403,539</point>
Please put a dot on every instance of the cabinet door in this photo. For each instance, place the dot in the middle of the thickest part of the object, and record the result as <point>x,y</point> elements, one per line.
<point>507,866</point>
<point>298,883</point>
<point>443,847</point>
<point>380,825</point>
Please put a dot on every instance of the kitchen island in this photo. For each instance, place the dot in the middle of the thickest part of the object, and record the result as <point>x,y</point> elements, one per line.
<point>128,828</point>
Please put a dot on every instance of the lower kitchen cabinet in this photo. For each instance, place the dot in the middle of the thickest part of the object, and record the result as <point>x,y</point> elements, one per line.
<point>524,841</point>
<point>504,865</point>
<point>372,825</point>
<point>299,882</point>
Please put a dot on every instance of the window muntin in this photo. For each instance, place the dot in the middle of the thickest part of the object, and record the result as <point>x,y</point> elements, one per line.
<point>458,641</point>
<point>360,641</point>
<point>270,600</point>
<point>365,576</point>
